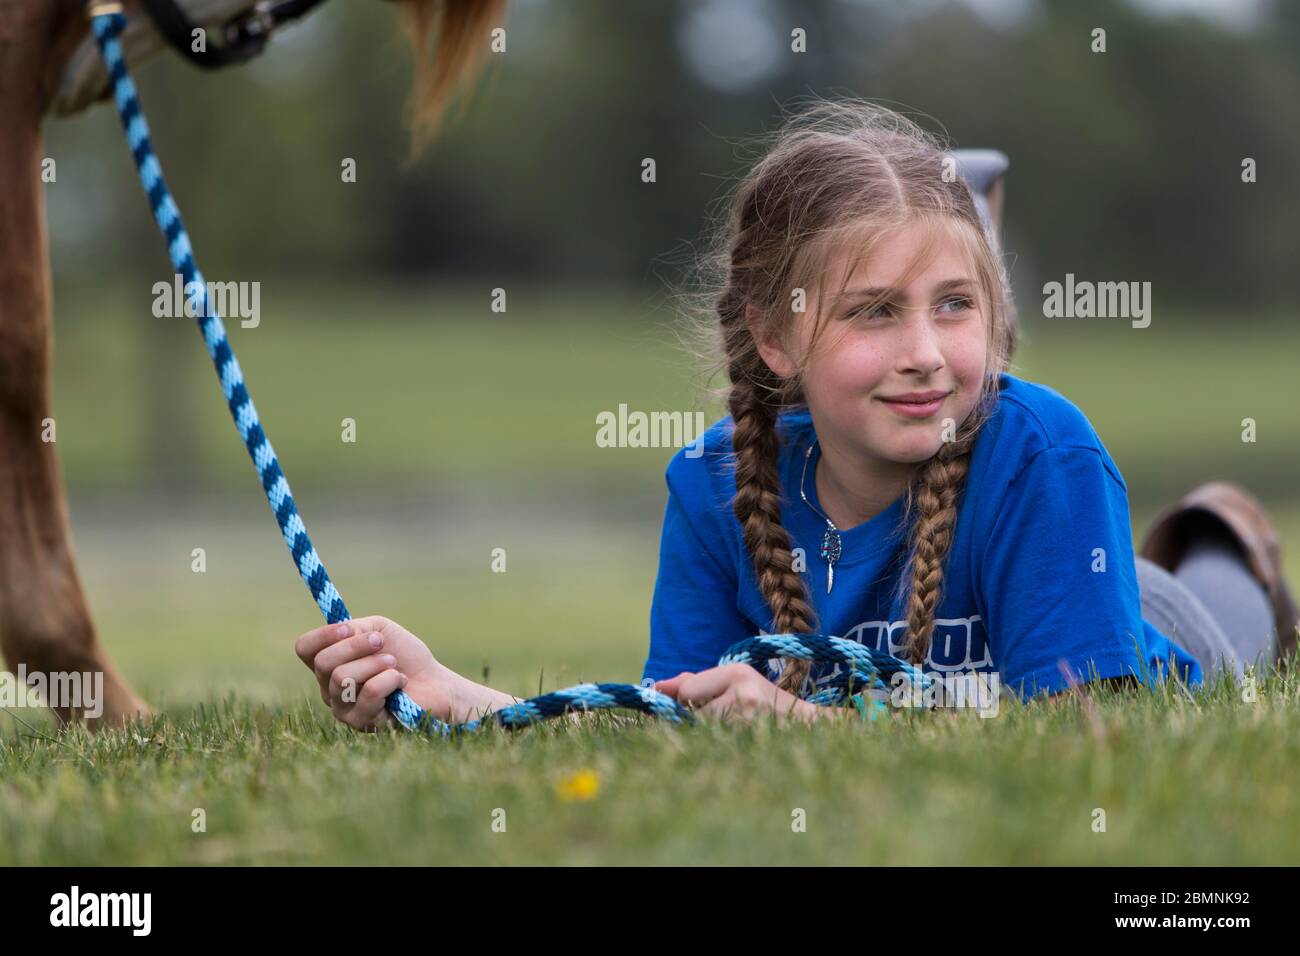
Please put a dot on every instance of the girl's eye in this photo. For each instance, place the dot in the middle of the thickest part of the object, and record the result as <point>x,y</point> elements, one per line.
<point>868,313</point>
<point>959,303</point>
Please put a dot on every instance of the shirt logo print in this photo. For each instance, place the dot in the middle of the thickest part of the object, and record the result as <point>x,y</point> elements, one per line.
<point>957,644</point>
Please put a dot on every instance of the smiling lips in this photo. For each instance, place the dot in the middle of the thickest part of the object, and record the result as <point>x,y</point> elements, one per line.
<point>917,404</point>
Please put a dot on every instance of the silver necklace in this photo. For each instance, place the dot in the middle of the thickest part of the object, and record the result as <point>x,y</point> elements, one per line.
<point>832,547</point>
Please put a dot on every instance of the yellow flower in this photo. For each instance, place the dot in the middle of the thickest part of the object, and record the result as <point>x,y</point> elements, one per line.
<point>583,785</point>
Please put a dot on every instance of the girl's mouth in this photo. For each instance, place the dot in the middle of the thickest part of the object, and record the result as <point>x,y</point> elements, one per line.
<point>917,406</point>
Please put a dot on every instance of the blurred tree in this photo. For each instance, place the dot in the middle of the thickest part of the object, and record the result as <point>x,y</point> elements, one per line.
<point>1125,165</point>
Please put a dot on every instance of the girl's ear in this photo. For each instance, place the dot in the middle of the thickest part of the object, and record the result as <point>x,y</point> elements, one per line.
<point>772,352</point>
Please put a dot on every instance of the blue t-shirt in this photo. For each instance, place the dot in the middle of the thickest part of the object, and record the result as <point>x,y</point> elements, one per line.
<point>1041,568</point>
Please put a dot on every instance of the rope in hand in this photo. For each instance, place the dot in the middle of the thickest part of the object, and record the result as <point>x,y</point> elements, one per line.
<point>863,667</point>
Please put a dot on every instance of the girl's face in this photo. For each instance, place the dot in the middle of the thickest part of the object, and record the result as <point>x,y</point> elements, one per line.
<point>892,383</point>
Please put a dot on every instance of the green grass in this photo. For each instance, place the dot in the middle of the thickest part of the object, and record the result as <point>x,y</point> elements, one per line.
<point>1209,780</point>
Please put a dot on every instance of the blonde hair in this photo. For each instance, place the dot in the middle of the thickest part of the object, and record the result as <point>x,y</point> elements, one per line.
<point>838,169</point>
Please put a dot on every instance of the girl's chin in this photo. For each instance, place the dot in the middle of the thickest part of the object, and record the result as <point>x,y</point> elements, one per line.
<point>914,452</point>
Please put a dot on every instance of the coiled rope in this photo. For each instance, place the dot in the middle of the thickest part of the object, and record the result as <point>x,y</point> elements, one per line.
<point>862,667</point>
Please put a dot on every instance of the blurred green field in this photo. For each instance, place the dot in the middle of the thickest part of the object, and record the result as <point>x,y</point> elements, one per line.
<point>476,431</point>
<point>444,391</point>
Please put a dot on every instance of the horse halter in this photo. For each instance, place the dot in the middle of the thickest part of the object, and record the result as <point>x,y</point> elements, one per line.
<point>243,36</point>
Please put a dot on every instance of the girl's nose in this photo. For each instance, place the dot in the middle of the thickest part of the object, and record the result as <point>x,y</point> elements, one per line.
<point>919,352</point>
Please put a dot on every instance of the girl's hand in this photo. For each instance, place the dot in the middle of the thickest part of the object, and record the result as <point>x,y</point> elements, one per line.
<point>735,691</point>
<point>358,663</point>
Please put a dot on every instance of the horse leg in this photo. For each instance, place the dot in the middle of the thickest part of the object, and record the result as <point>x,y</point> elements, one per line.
<point>45,622</point>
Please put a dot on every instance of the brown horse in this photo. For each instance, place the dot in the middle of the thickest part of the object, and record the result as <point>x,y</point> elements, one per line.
<point>47,66</point>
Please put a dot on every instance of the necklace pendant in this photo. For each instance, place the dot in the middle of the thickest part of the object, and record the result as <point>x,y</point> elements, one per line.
<point>831,549</point>
<point>831,546</point>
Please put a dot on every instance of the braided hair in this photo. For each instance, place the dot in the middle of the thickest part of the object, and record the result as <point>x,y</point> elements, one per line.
<point>837,171</point>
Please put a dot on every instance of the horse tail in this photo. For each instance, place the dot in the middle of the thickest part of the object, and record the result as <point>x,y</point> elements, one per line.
<point>449,39</point>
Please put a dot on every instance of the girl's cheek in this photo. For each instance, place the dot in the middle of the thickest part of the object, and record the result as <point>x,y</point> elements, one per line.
<point>856,367</point>
<point>967,354</point>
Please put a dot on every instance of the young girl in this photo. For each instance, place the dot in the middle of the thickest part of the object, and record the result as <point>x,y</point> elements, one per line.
<point>883,477</point>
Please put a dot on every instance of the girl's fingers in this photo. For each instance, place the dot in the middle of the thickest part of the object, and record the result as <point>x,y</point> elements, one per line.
<point>314,641</point>
<point>672,685</point>
<point>698,689</point>
<point>360,644</point>
<point>358,672</point>
<point>371,622</point>
<point>722,706</point>
<point>369,709</point>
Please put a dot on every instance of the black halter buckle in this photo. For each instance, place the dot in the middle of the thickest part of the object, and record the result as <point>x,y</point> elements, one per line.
<point>257,22</point>
<point>243,36</point>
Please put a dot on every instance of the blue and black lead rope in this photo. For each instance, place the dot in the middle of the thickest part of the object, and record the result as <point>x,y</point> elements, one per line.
<point>862,667</point>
